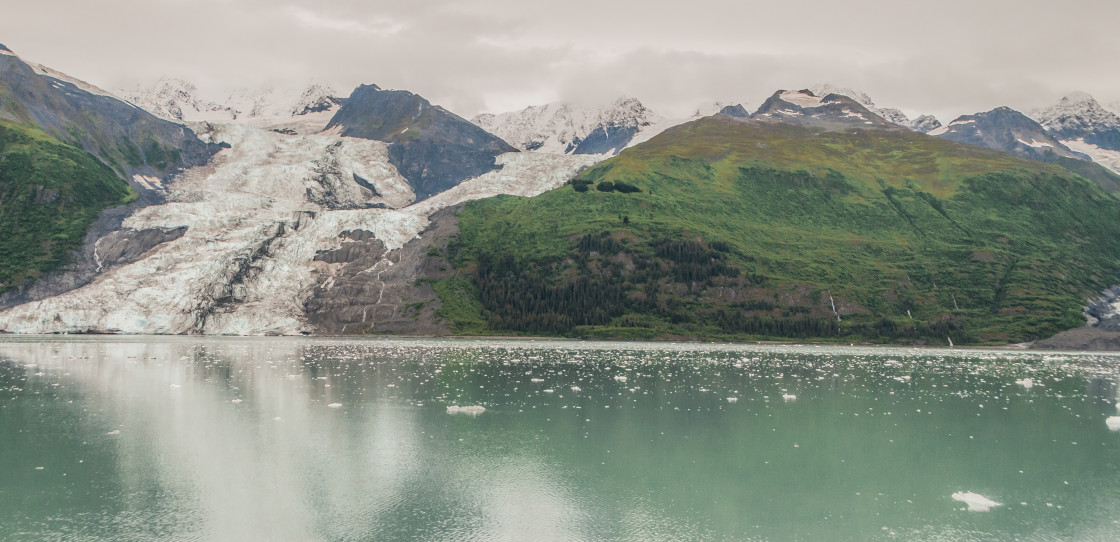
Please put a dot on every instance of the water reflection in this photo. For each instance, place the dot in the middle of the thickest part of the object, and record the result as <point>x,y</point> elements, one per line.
<point>285,439</point>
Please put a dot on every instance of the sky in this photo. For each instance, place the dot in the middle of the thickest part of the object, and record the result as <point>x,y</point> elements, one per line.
<point>948,57</point>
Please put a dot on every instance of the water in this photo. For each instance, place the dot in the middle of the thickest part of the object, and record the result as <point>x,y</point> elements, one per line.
<point>181,438</point>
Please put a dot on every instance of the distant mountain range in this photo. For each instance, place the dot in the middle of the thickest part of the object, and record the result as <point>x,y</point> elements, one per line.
<point>818,214</point>
<point>178,100</point>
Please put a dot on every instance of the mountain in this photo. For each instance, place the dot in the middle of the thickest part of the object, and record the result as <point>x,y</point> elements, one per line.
<point>736,110</point>
<point>757,228</point>
<point>1083,125</point>
<point>74,162</point>
<point>179,100</point>
<point>432,147</point>
<point>804,108</point>
<point>132,141</point>
<point>561,128</point>
<point>924,123</point>
<point>1008,130</point>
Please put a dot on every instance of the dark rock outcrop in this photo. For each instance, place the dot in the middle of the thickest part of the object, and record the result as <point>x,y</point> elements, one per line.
<point>737,111</point>
<point>431,147</point>
<point>364,288</point>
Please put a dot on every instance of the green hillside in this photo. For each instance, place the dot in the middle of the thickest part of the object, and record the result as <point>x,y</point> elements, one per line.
<point>726,228</point>
<point>50,194</point>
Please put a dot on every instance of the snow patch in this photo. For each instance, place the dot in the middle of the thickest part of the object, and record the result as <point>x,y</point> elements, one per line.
<point>800,99</point>
<point>1105,157</point>
<point>1034,143</point>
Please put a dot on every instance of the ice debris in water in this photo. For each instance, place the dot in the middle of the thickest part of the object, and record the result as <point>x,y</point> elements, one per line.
<point>789,397</point>
<point>975,501</point>
<point>576,388</point>
<point>114,432</point>
<point>1113,423</point>
<point>620,378</point>
<point>1027,383</point>
<point>335,405</point>
<point>472,410</point>
<point>732,399</point>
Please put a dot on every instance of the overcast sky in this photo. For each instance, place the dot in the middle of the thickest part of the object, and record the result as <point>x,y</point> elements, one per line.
<point>946,57</point>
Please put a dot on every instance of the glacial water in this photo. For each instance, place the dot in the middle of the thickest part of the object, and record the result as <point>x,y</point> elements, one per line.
<point>185,438</point>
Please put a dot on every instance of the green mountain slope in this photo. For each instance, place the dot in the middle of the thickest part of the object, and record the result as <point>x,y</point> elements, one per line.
<point>50,194</point>
<point>747,229</point>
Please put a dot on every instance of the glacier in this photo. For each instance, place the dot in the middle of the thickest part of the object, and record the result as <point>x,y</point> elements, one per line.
<point>255,218</point>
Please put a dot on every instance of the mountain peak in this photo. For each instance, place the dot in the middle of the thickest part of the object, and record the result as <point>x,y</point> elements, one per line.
<point>6,51</point>
<point>923,123</point>
<point>805,108</point>
<point>563,128</point>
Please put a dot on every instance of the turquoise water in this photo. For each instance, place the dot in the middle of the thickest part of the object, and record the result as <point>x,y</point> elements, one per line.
<point>117,438</point>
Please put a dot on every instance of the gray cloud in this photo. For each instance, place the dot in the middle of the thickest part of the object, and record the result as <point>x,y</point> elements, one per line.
<point>950,57</point>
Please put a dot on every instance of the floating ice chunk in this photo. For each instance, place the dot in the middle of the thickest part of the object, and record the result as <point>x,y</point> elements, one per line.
<point>789,397</point>
<point>550,391</point>
<point>576,388</point>
<point>536,380</point>
<point>620,378</point>
<point>1027,383</point>
<point>235,401</point>
<point>473,410</point>
<point>335,405</point>
<point>975,501</point>
<point>114,432</point>
<point>732,399</point>
<point>1113,423</point>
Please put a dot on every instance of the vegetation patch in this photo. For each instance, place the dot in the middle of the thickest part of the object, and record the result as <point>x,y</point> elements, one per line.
<point>50,195</point>
<point>751,231</point>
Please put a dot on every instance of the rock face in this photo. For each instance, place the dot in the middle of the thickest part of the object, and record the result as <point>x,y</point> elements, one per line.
<point>130,140</point>
<point>431,147</point>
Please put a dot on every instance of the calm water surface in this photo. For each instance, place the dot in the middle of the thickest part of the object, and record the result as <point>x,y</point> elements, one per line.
<point>310,439</point>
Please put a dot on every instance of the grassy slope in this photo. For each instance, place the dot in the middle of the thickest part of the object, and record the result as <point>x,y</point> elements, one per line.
<point>1002,248</point>
<point>50,194</point>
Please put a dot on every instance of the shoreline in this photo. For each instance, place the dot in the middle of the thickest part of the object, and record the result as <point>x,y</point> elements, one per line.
<point>1015,347</point>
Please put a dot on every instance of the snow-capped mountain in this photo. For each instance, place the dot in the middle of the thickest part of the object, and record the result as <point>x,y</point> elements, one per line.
<point>1083,125</point>
<point>924,123</point>
<point>560,128</point>
<point>805,108</point>
<point>175,99</point>
<point>1007,130</point>
<point>563,128</point>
